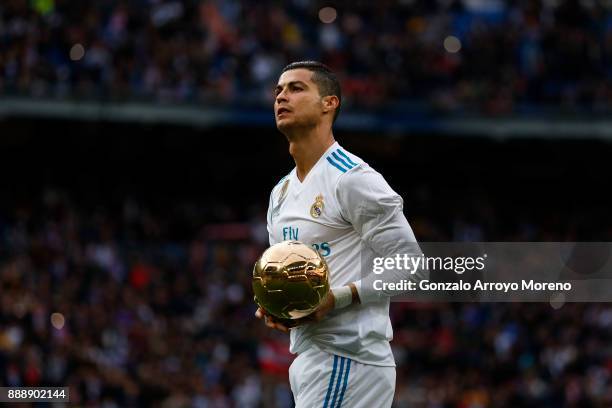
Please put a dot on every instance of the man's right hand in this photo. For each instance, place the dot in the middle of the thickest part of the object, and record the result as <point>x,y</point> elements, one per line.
<point>271,321</point>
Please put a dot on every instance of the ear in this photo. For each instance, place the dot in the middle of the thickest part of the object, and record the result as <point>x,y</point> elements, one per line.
<point>330,103</point>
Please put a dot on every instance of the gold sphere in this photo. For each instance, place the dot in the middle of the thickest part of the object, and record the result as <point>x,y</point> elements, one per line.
<point>290,280</point>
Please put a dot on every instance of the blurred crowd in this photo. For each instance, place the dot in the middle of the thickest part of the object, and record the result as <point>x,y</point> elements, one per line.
<point>133,306</point>
<point>127,322</point>
<point>101,300</point>
<point>492,56</point>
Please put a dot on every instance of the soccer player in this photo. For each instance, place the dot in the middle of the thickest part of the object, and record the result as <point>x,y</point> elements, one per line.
<point>335,202</point>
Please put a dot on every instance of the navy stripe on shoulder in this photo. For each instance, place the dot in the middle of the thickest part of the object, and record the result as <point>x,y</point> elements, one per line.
<point>341,153</point>
<point>336,165</point>
<point>341,161</point>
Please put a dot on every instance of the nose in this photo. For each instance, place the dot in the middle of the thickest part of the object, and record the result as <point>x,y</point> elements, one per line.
<point>281,97</point>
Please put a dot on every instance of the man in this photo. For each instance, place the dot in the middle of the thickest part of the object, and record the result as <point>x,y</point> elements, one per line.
<point>335,202</point>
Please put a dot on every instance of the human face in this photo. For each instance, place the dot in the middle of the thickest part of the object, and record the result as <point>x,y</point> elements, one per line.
<point>297,102</point>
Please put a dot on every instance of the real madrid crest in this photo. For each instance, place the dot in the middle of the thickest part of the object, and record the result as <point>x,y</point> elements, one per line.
<point>317,208</point>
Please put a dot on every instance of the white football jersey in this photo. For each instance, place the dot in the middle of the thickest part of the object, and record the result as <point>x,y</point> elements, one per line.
<point>348,212</point>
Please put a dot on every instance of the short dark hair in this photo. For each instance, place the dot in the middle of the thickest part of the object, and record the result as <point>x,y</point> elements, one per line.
<point>323,77</point>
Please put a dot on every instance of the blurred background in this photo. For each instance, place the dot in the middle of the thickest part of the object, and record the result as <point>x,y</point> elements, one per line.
<point>138,150</point>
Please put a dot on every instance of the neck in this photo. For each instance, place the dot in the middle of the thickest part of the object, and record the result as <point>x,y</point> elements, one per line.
<point>307,148</point>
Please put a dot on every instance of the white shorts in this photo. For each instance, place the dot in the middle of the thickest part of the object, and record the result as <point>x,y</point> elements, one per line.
<point>322,380</point>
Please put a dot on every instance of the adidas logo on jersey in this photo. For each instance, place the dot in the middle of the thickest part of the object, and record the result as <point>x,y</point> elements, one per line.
<point>341,161</point>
